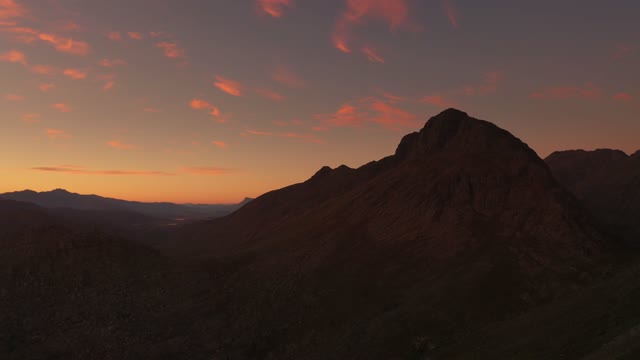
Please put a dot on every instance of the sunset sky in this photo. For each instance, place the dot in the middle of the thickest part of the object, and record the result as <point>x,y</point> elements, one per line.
<point>216,100</point>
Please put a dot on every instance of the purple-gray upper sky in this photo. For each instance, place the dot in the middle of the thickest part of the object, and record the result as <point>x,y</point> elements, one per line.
<point>214,100</point>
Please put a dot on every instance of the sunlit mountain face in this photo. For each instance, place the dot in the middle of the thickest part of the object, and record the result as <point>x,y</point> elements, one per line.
<point>213,101</point>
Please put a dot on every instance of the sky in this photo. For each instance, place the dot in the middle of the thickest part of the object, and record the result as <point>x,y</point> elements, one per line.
<point>212,101</point>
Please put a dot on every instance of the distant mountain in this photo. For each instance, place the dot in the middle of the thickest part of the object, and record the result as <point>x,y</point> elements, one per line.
<point>463,226</point>
<point>60,198</point>
<point>608,182</point>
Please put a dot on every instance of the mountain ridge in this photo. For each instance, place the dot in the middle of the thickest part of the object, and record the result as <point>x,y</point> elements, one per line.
<point>461,244</point>
<point>61,198</point>
<point>464,224</point>
<point>608,182</point>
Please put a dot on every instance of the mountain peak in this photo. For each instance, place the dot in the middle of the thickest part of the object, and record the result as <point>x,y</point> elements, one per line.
<point>60,191</point>
<point>452,113</point>
<point>455,130</point>
<point>322,172</point>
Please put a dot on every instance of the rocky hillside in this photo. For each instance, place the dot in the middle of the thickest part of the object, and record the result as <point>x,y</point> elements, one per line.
<point>66,294</point>
<point>608,183</point>
<point>464,225</point>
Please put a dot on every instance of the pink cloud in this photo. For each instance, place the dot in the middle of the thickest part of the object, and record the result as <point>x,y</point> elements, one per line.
<point>270,94</point>
<point>64,108</point>
<point>451,12</point>
<point>220,144</point>
<point>70,26</point>
<point>235,88</point>
<point>274,8</point>
<point>57,134</point>
<point>623,97</point>
<point>152,110</point>
<point>108,81</point>
<point>43,69</point>
<point>390,115</point>
<point>27,35</point>
<point>199,104</point>
<point>287,77</point>
<point>437,100</point>
<point>135,35</point>
<point>375,110</point>
<point>373,56</point>
<point>14,56</point>
<point>172,50</point>
<point>120,145</point>
<point>259,133</point>
<point>159,34</point>
<point>76,74</point>
<point>79,170</point>
<point>586,92</point>
<point>22,34</point>
<point>341,44</point>
<point>395,13</point>
<point>347,115</point>
<point>66,45</point>
<point>114,35</point>
<point>14,97</point>
<point>228,86</point>
<point>31,118</point>
<point>111,62</point>
<point>44,87</point>
<point>393,98</point>
<point>10,9</point>
<point>108,85</point>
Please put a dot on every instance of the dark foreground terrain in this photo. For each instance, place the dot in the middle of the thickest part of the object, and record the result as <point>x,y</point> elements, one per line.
<point>461,245</point>
<point>608,183</point>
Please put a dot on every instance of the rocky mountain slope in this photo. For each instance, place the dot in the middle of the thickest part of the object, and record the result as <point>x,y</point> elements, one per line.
<point>67,294</point>
<point>607,182</point>
<point>464,225</point>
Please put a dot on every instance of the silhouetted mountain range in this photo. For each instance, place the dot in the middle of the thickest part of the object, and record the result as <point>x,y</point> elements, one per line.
<point>460,245</point>
<point>607,182</point>
<point>60,198</point>
<point>463,225</point>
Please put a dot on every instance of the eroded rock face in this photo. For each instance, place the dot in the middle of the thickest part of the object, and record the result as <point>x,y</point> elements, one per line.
<point>463,224</point>
<point>608,182</point>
